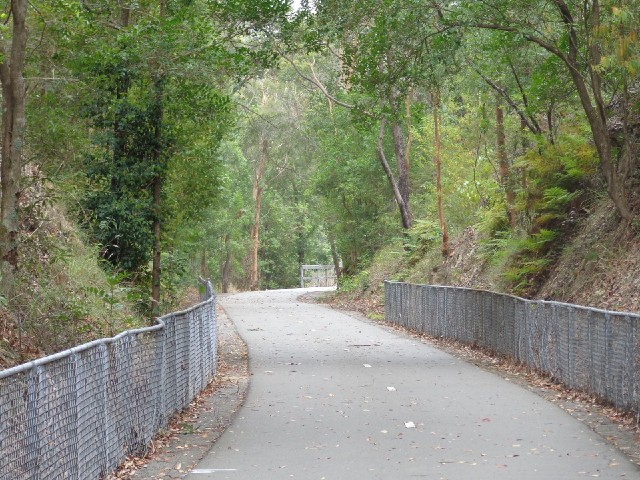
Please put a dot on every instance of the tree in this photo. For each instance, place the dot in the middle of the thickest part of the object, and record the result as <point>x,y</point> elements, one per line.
<point>157,94</point>
<point>579,43</point>
<point>13,50</point>
<point>437,160</point>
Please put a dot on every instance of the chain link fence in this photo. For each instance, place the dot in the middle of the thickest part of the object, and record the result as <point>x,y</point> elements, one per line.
<point>587,349</point>
<point>77,414</point>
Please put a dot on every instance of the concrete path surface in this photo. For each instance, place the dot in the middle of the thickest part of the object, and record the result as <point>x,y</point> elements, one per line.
<point>335,398</point>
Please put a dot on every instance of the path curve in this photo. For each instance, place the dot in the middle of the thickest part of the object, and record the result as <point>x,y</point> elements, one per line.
<point>335,398</point>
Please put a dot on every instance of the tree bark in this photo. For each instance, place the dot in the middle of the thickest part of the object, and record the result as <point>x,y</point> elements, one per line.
<point>157,251</point>
<point>503,162</point>
<point>204,267</point>
<point>405,211</point>
<point>596,114</point>
<point>158,153</point>
<point>402,162</point>
<point>617,175</point>
<point>334,255</point>
<point>157,198</point>
<point>254,277</point>
<point>437,160</point>
<point>13,131</point>
<point>226,265</point>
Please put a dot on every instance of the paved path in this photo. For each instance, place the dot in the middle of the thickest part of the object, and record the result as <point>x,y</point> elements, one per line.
<point>335,398</point>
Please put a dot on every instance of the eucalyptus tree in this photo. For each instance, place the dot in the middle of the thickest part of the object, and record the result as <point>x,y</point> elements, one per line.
<point>391,52</point>
<point>527,83</point>
<point>275,147</point>
<point>594,41</point>
<point>355,199</point>
<point>13,45</point>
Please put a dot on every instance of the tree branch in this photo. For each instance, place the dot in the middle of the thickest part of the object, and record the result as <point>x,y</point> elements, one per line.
<point>533,127</point>
<point>317,84</point>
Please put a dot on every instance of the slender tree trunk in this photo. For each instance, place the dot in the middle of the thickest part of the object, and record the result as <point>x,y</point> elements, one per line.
<point>13,131</point>
<point>437,160</point>
<point>226,265</point>
<point>158,160</point>
<point>204,268</point>
<point>407,150</point>
<point>402,163</point>
<point>334,255</point>
<point>353,260</point>
<point>157,251</point>
<point>503,162</point>
<point>405,211</point>
<point>157,199</point>
<point>257,198</point>
<point>615,176</point>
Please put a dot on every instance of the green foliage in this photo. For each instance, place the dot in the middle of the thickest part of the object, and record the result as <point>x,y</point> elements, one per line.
<point>531,260</point>
<point>177,274</point>
<point>70,298</point>
<point>355,283</point>
<point>558,177</point>
<point>131,150</point>
<point>424,236</point>
<point>355,196</point>
<point>168,94</point>
<point>116,297</point>
<point>557,199</point>
<point>493,220</point>
<point>466,168</point>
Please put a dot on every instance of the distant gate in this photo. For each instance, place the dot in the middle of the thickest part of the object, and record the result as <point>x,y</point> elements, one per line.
<point>317,276</point>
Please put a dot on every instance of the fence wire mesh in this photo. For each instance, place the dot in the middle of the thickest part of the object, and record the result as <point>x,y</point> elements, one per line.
<point>587,349</point>
<point>77,414</point>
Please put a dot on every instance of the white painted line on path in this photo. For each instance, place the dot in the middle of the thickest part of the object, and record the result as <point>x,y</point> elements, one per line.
<point>213,470</point>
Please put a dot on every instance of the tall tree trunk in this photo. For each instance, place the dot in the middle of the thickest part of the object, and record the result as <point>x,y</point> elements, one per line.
<point>158,160</point>
<point>616,175</point>
<point>257,199</point>
<point>402,162</point>
<point>403,206</point>
<point>204,267</point>
<point>157,251</point>
<point>157,196</point>
<point>503,162</point>
<point>13,131</point>
<point>158,155</point>
<point>226,265</point>
<point>437,160</point>
<point>334,255</point>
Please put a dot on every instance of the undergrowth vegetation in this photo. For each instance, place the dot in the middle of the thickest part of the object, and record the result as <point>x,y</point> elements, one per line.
<point>555,187</point>
<point>64,296</point>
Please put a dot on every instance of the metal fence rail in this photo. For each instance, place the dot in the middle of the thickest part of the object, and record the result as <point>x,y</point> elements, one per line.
<point>78,413</point>
<point>587,349</point>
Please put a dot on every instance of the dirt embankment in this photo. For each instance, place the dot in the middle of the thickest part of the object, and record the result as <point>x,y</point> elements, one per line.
<point>600,267</point>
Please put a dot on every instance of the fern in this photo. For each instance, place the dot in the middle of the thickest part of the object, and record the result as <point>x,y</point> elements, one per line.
<point>538,242</point>
<point>557,198</point>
